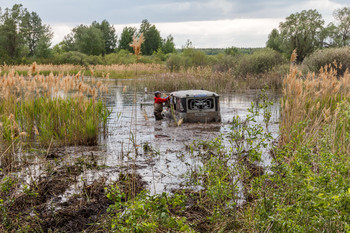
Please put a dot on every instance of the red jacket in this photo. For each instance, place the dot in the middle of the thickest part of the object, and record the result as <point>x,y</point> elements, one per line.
<point>158,100</point>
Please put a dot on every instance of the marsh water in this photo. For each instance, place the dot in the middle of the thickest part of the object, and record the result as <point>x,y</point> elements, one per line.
<point>157,149</point>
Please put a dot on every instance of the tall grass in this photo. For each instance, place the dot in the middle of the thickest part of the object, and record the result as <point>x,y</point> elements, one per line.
<point>161,77</point>
<point>312,103</point>
<point>308,189</point>
<point>113,71</point>
<point>206,78</point>
<point>48,111</point>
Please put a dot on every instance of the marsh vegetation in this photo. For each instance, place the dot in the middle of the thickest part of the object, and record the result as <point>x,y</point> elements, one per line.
<point>78,154</point>
<point>225,182</point>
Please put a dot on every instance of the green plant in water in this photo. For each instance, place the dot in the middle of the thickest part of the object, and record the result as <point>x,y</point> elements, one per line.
<point>248,137</point>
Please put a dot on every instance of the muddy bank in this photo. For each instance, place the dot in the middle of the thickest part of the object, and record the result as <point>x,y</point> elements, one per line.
<point>62,197</point>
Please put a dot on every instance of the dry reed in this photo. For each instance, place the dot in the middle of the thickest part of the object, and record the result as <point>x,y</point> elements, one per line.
<point>104,71</point>
<point>136,44</point>
<point>36,109</point>
<point>311,105</point>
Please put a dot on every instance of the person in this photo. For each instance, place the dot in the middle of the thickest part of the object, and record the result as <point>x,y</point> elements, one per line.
<point>158,105</point>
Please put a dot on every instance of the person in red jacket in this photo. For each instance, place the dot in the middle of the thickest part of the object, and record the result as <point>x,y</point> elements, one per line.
<point>158,105</point>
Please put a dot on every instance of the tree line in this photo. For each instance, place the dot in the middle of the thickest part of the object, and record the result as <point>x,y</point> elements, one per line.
<point>24,37</point>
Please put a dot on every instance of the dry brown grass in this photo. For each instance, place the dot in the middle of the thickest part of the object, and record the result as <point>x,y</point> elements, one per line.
<point>112,71</point>
<point>192,78</point>
<point>66,68</point>
<point>14,85</point>
<point>206,78</point>
<point>148,68</point>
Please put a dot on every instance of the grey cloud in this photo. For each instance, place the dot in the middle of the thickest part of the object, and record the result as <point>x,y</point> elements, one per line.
<point>134,11</point>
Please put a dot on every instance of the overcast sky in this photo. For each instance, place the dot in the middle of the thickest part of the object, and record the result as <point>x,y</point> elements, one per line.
<point>207,23</point>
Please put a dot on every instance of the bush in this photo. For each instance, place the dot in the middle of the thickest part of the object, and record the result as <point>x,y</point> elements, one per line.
<point>175,62</point>
<point>195,57</point>
<point>321,58</point>
<point>261,61</point>
<point>73,57</point>
<point>224,63</point>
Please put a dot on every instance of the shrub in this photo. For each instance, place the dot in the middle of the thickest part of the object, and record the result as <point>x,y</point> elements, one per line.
<point>333,56</point>
<point>175,62</point>
<point>224,63</point>
<point>72,57</point>
<point>261,61</point>
<point>195,57</point>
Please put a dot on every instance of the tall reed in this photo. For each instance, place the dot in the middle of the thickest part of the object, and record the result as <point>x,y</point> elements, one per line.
<point>113,71</point>
<point>49,110</point>
<point>314,105</point>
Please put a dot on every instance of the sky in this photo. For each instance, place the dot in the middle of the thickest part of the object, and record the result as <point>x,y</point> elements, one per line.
<point>206,23</point>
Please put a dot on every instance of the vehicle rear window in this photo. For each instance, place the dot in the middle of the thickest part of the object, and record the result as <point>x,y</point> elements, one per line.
<point>201,103</point>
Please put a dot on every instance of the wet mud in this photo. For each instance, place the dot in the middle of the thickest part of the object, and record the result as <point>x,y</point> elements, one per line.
<point>63,198</point>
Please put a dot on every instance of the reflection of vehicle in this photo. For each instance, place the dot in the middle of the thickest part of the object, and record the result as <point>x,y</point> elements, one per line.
<point>195,106</point>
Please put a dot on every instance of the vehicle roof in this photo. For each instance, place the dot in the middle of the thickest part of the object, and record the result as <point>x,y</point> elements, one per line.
<point>193,93</point>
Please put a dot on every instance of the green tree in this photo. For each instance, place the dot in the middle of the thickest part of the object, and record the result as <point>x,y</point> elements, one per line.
<point>11,39</point>
<point>126,38</point>
<point>109,36</point>
<point>22,34</point>
<point>330,36</point>
<point>68,43</point>
<point>274,40</point>
<point>153,41</point>
<point>89,40</point>
<point>342,16</point>
<point>36,35</point>
<point>301,31</point>
<point>195,57</point>
<point>85,39</point>
<point>168,45</point>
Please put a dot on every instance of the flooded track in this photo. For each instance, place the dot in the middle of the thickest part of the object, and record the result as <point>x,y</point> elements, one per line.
<point>157,149</point>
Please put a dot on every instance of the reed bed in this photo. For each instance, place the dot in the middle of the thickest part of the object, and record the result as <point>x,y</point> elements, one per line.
<point>128,71</point>
<point>46,111</point>
<point>315,105</point>
<point>206,78</point>
<point>113,71</point>
<point>65,68</point>
<point>158,77</point>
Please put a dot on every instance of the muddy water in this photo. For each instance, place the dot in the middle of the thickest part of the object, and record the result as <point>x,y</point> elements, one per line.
<point>157,149</point>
